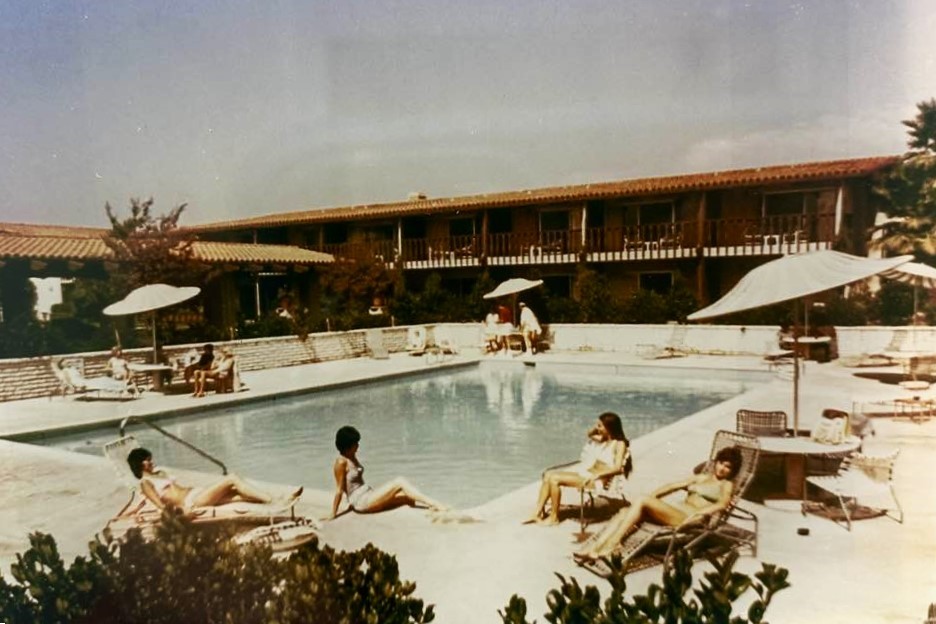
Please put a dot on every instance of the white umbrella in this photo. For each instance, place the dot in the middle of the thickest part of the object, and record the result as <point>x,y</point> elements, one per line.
<point>791,278</point>
<point>916,274</point>
<point>512,287</point>
<point>150,298</point>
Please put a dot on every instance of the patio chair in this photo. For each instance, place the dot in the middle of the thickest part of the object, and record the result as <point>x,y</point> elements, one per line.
<point>72,380</point>
<point>375,344</point>
<point>611,488</point>
<point>282,528</point>
<point>674,348</point>
<point>863,480</point>
<point>652,544</point>
<point>443,340</point>
<point>416,340</point>
<point>761,423</point>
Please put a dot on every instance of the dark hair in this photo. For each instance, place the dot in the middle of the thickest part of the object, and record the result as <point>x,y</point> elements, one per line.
<point>346,437</point>
<point>733,456</point>
<point>208,347</point>
<point>135,458</point>
<point>612,424</point>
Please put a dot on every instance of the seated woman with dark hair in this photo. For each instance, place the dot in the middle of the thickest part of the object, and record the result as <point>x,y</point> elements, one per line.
<point>162,490</point>
<point>604,455</point>
<point>706,493</point>
<point>349,481</point>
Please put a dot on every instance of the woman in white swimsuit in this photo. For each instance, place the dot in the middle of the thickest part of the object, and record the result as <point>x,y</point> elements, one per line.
<point>349,481</point>
<point>604,455</point>
<point>706,493</point>
<point>162,490</point>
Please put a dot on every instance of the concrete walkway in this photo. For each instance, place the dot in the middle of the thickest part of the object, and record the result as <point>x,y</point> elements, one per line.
<point>881,571</point>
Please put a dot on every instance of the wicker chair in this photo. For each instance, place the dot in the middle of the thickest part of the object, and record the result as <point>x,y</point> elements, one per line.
<point>761,423</point>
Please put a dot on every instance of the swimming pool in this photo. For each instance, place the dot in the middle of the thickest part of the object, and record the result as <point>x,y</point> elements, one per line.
<point>464,437</point>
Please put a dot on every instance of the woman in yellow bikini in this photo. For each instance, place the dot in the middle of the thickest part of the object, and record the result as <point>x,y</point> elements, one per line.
<point>706,493</point>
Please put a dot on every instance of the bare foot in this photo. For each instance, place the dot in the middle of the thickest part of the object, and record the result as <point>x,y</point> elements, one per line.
<point>550,521</point>
<point>532,520</point>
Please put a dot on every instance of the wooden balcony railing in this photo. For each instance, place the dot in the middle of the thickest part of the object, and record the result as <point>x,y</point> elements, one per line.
<point>683,239</point>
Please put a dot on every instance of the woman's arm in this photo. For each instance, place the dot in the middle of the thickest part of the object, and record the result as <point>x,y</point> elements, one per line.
<point>341,468</point>
<point>601,470</point>
<point>149,491</point>
<point>669,488</point>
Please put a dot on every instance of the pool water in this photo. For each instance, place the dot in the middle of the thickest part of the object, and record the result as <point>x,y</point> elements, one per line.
<point>463,437</point>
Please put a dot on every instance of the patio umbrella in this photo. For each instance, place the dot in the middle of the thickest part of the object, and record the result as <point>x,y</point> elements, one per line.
<point>791,278</point>
<point>150,298</point>
<point>512,287</point>
<point>916,274</point>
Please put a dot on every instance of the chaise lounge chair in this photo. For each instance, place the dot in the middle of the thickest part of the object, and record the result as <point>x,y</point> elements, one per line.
<point>652,544</point>
<point>273,524</point>
<point>675,346</point>
<point>72,380</point>
<point>416,340</point>
<point>864,480</point>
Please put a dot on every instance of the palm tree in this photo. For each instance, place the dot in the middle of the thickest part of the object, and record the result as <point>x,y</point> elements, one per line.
<point>909,192</point>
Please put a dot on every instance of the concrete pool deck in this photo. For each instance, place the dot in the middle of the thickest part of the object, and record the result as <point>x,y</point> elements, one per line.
<point>881,571</point>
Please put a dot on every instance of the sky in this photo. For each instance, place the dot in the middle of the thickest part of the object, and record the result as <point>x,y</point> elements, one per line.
<point>248,107</point>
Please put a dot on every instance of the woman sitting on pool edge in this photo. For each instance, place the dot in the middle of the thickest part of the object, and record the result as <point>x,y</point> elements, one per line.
<point>162,490</point>
<point>706,493</point>
<point>604,455</point>
<point>349,481</point>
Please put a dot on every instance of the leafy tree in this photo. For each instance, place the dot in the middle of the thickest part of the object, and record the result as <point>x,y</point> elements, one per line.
<point>194,574</point>
<point>910,191</point>
<point>672,603</point>
<point>153,249</point>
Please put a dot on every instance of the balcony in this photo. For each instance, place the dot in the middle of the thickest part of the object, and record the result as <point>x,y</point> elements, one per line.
<point>769,236</point>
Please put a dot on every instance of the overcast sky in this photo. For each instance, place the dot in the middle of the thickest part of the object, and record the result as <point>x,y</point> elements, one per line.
<point>248,107</point>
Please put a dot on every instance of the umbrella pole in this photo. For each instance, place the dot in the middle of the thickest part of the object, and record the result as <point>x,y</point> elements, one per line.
<point>155,355</point>
<point>796,370</point>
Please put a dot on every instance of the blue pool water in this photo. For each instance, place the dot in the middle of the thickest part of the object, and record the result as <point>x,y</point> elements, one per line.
<point>464,437</point>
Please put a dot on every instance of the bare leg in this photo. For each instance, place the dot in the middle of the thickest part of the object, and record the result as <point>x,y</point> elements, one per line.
<point>401,491</point>
<point>540,500</point>
<point>229,488</point>
<point>556,481</point>
<point>623,522</point>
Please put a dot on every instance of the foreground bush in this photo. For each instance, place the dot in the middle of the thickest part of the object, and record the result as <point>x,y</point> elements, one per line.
<point>710,603</point>
<point>189,574</point>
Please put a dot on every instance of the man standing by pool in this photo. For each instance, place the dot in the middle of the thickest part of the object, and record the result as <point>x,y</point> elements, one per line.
<point>529,327</point>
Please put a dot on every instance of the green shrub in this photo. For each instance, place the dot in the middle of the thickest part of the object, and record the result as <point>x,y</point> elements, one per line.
<point>672,603</point>
<point>192,574</point>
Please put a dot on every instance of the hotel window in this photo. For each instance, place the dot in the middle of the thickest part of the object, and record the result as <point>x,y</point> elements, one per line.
<point>658,282</point>
<point>650,214</point>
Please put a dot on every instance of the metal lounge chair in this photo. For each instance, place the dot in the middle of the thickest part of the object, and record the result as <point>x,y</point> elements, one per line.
<point>862,479</point>
<point>611,488</point>
<point>675,346</point>
<point>443,340</point>
<point>72,380</point>
<point>416,340</point>
<point>652,544</point>
<point>281,528</point>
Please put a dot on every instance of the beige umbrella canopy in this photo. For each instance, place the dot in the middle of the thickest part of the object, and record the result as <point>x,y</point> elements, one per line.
<point>916,274</point>
<point>512,287</point>
<point>791,278</point>
<point>150,298</point>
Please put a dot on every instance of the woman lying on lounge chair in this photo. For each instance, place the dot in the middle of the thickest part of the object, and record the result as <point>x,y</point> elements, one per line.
<point>604,456</point>
<point>706,493</point>
<point>163,491</point>
<point>349,481</point>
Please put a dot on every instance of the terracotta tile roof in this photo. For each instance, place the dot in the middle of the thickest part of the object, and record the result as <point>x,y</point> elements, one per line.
<point>258,254</point>
<point>66,243</point>
<point>803,172</point>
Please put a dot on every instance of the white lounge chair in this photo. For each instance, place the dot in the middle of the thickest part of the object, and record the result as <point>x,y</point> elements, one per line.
<point>443,340</point>
<point>675,346</point>
<point>416,340</point>
<point>72,380</point>
<point>282,529</point>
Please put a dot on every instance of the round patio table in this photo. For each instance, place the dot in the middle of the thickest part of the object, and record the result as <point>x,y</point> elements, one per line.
<point>795,451</point>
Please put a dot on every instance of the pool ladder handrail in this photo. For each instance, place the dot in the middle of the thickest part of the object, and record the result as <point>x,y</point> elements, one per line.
<point>136,419</point>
